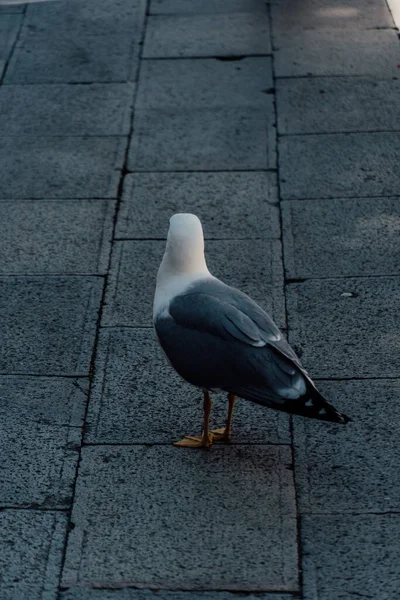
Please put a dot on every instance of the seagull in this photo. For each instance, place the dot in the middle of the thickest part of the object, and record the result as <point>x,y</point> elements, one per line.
<point>218,339</point>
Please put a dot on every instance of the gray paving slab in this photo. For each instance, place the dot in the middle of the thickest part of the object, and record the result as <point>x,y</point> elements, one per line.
<point>205,83</point>
<point>138,398</point>
<point>40,442</point>
<point>207,35</point>
<point>326,166</point>
<point>203,139</point>
<point>353,468</point>
<point>346,327</point>
<point>230,205</point>
<point>334,238</point>
<point>161,518</point>
<point>97,109</point>
<point>9,28</point>
<point>254,266</point>
<point>351,557</point>
<point>78,42</point>
<point>289,17</point>
<point>53,237</point>
<point>372,52</point>
<point>78,593</point>
<point>31,549</point>
<point>189,7</point>
<point>12,8</point>
<point>48,324</point>
<point>60,167</point>
<point>337,104</point>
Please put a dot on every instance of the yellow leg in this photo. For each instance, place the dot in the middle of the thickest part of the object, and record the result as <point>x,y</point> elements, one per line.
<point>224,434</point>
<point>201,441</point>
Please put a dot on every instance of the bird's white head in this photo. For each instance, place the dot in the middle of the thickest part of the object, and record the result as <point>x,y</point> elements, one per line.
<point>184,253</point>
<point>183,262</point>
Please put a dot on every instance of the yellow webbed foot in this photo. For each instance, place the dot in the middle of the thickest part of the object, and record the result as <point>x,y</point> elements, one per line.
<point>195,441</point>
<point>221,435</point>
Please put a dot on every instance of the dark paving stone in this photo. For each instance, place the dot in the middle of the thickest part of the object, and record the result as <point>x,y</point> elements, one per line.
<point>9,28</point>
<point>48,324</point>
<point>254,266</point>
<point>78,42</point>
<point>324,166</point>
<point>230,205</point>
<point>333,238</point>
<point>31,550</point>
<point>338,52</point>
<point>78,593</point>
<point>189,7</point>
<point>60,167</point>
<point>40,442</point>
<point>346,327</point>
<point>145,513</point>
<point>207,35</point>
<point>138,398</point>
<point>290,17</point>
<point>207,83</point>
<point>203,139</point>
<point>69,236</point>
<point>351,557</point>
<point>352,468</point>
<point>329,105</point>
<point>96,109</point>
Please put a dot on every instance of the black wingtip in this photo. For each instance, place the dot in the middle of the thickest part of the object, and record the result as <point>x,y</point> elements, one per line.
<point>324,410</point>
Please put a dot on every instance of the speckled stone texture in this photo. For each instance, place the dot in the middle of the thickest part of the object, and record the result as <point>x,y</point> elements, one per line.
<point>138,398</point>
<point>338,165</point>
<point>352,468</point>
<point>40,439</point>
<point>341,238</point>
<point>351,556</point>
<point>31,550</point>
<point>346,327</point>
<point>330,105</point>
<point>165,518</point>
<point>48,324</point>
<point>131,594</point>
<point>60,167</point>
<point>52,240</point>
<point>207,35</point>
<point>230,205</point>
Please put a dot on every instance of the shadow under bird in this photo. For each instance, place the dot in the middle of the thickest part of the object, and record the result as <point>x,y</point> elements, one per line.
<point>219,339</point>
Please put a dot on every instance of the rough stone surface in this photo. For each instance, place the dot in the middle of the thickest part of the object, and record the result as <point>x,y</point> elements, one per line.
<point>207,83</point>
<point>31,549</point>
<point>289,18</point>
<point>338,52</point>
<point>346,327</point>
<point>39,443</point>
<point>229,205</point>
<point>138,398</point>
<point>55,237</point>
<point>189,7</point>
<point>203,140</point>
<point>351,557</point>
<point>135,510</point>
<point>207,35</point>
<point>78,42</point>
<point>253,266</point>
<point>9,27</point>
<point>337,104</point>
<point>352,468</point>
<point>48,324</point>
<point>324,166</point>
<point>95,109</point>
<point>60,167</point>
<point>334,238</point>
<point>78,593</point>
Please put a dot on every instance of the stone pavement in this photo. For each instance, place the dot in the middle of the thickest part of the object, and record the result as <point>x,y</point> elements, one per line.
<point>279,125</point>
